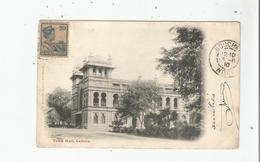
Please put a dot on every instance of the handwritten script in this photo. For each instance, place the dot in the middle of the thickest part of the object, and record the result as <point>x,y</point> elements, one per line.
<point>224,105</point>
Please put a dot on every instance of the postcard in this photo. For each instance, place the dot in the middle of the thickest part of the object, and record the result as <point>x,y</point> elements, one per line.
<point>138,84</point>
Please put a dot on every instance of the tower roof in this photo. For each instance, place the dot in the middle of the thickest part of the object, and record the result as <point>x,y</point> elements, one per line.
<point>76,74</point>
<point>97,61</point>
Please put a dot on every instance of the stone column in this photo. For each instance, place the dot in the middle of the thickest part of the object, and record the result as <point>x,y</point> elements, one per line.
<point>103,72</point>
<point>109,99</point>
<point>99,117</point>
<point>171,103</point>
<point>109,73</point>
<point>84,120</point>
<point>89,117</point>
<point>99,99</point>
<point>90,71</point>
<point>90,98</point>
<point>163,102</point>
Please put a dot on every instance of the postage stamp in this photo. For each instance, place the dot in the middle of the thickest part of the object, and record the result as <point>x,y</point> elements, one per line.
<point>54,38</point>
<point>224,58</point>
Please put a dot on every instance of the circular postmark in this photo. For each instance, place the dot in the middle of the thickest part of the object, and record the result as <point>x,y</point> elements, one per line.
<point>224,58</point>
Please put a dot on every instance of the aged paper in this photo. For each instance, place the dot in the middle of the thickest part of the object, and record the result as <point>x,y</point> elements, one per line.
<point>134,84</point>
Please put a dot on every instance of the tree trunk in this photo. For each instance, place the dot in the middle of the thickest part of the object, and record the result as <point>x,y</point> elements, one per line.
<point>141,119</point>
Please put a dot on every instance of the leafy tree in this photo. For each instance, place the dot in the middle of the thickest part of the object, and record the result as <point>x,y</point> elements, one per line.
<point>163,119</point>
<point>53,117</point>
<point>183,63</point>
<point>60,100</point>
<point>141,97</point>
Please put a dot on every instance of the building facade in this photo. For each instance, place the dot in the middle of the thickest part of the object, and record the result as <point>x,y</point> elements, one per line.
<point>96,96</point>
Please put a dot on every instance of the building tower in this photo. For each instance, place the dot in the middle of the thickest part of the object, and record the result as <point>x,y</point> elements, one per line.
<point>97,67</point>
<point>92,91</point>
<point>76,79</point>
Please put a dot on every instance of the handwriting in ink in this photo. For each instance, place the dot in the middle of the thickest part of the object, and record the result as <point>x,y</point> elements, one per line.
<point>211,105</point>
<point>228,115</point>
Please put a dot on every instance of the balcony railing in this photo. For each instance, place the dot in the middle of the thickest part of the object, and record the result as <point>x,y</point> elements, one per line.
<point>103,104</point>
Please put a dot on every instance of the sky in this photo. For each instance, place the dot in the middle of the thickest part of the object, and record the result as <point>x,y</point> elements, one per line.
<point>133,47</point>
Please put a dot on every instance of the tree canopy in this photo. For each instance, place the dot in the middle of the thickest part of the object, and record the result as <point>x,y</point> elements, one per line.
<point>60,100</point>
<point>183,63</point>
<point>141,97</point>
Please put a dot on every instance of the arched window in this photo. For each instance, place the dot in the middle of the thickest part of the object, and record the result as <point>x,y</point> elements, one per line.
<point>115,100</point>
<point>168,102</point>
<point>96,99</point>
<point>99,72</point>
<point>95,118</point>
<point>175,103</point>
<point>160,102</point>
<point>103,118</point>
<point>103,99</point>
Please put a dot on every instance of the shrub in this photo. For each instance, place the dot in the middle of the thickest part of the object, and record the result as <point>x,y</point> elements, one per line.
<point>116,125</point>
<point>189,132</point>
<point>154,131</point>
<point>172,133</point>
<point>130,130</point>
<point>141,132</point>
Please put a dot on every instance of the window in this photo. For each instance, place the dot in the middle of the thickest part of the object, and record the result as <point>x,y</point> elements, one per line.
<point>103,118</point>
<point>95,118</point>
<point>175,102</point>
<point>115,85</point>
<point>103,99</point>
<point>160,102</point>
<point>94,71</point>
<point>105,72</point>
<point>96,99</point>
<point>115,100</point>
<point>168,102</point>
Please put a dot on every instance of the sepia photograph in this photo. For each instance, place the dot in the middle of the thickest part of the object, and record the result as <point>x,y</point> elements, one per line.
<point>137,84</point>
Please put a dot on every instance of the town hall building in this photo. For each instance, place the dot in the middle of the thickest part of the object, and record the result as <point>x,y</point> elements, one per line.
<point>96,96</point>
